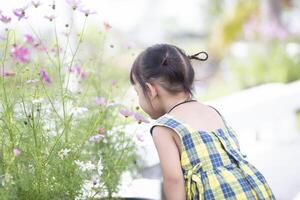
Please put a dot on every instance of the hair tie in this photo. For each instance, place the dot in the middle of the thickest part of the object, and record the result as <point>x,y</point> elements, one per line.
<point>195,56</point>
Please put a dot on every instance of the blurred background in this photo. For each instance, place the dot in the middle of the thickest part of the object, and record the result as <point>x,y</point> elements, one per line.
<point>252,75</point>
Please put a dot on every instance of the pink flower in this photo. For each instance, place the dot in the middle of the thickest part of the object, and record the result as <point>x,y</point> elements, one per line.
<point>125,112</point>
<point>20,54</point>
<point>107,26</point>
<point>36,3</point>
<point>140,118</point>
<point>101,130</point>
<point>96,137</point>
<point>101,101</point>
<point>78,71</point>
<point>3,37</point>
<point>9,74</point>
<point>50,17</point>
<point>87,12</point>
<point>114,82</point>
<point>128,45</point>
<point>28,38</point>
<point>5,19</point>
<point>20,12</point>
<point>74,3</point>
<point>140,137</point>
<point>40,47</point>
<point>17,152</point>
<point>45,77</point>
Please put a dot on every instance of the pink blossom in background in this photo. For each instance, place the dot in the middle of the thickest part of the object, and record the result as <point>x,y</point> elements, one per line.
<point>20,12</point>
<point>273,30</point>
<point>114,82</point>
<point>5,19</point>
<point>74,4</point>
<point>40,47</point>
<point>101,130</point>
<point>2,37</point>
<point>36,3</point>
<point>45,77</point>
<point>17,152</point>
<point>140,137</point>
<point>87,12</point>
<point>107,26</point>
<point>101,101</point>
<point>96,137</point>
<point>20,54</point>
<point>128,45</point>
<point>28,38</point>
<point>78,71</point>
<point>50,17</point>
<point>126,112</point>
<point>269,29</point>
<point>9,73</point>
<point>140,118</point>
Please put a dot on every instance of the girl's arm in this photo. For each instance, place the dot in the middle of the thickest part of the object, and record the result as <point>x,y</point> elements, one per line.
<point>173,181</point>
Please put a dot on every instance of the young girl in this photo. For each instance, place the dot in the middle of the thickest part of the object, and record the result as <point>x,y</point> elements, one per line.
<point>199,153</point>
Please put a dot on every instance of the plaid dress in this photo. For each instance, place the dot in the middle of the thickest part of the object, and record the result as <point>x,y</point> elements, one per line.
<point>213,165</point>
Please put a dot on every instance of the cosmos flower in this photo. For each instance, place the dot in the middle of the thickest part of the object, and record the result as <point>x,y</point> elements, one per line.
<point>96,138</point>
<point>107,26</point>
<point>45,77</point>
<point>50,17</point>
<point>78,71</point>
<point>101,130</point>
<point>85,166</point>
<point>5,19</point>
<point>74,4</point>
<point>140,118</point>
<point>140,137</point>
<point>28,38</point>
<point>20,54</point>
<point>9,73</point>
<point>63,153</point>
<point>87,12</point>
<point>128,45</point>
<point>3,37</point>
<point>20,12</point>
<point>36,3</point>
<point>125,112</point>
<point>101,101</point>
<point>114,83</point>
<point>17,152</point>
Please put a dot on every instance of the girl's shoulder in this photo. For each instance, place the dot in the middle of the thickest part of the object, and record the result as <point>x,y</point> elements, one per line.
<point>172,123</point>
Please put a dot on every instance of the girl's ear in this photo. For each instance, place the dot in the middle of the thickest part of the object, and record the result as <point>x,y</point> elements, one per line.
<point>152,90</point>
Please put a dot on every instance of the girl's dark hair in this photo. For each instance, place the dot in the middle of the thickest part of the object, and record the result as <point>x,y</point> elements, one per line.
<point>166,65</point>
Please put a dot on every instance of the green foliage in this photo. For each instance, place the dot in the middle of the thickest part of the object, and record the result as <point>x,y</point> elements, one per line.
<point>269,63</point>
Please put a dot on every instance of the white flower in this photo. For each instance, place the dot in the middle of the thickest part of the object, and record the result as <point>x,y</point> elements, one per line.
<point>32,81</point>
<point>85,166</point>
<point>7,178</point>
<point>78,111</point>
<point>38,100</point>
<point>100,167</point>
<point>63,153</point>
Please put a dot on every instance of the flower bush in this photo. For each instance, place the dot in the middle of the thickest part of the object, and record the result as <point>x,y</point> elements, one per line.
<point>62,131</point>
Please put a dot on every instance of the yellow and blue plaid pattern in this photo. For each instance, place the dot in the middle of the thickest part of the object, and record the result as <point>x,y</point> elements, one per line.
<point>213,165</point>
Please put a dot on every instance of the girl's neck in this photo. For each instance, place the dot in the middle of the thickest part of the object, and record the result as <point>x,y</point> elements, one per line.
<point>169,102</point>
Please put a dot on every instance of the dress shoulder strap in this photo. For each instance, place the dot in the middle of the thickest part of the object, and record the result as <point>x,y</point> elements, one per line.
<point>223,118</point>
<point>172,123</point>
